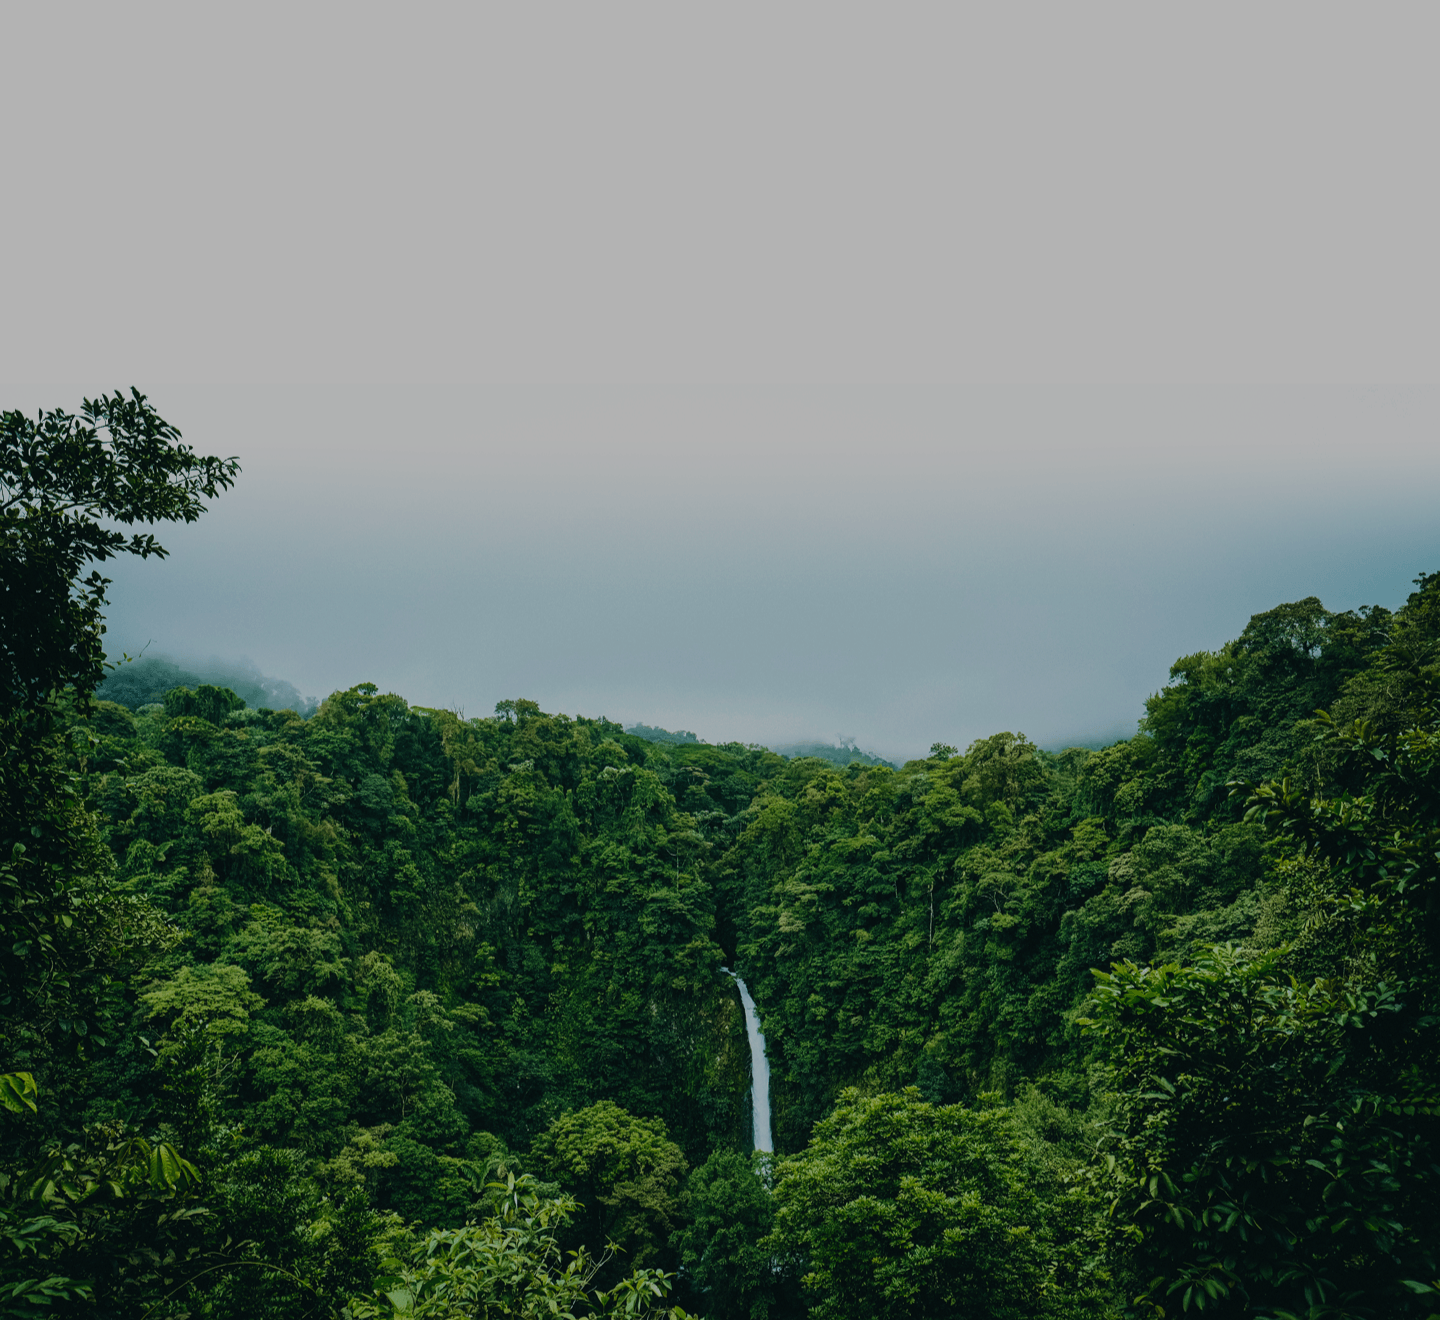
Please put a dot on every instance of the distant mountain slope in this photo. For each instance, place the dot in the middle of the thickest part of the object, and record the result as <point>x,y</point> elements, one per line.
<point>1094,741</point>
<point>651,734</point>
<point>841,754</point>
<point>146,681</point>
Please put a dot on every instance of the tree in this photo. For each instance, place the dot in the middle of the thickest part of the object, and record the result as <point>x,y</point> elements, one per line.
<point>1277,1145</point>
<point>730,1212</point>
<point>900,1209</point>
<point>100,1201</point>
<point>201,1009</point>
<point>1275,1154</point>
<point>64,480</point>
<point>509,1263</point>
<point>627,1172</point>
<point>99,1220</point>
<point>277,1249</point>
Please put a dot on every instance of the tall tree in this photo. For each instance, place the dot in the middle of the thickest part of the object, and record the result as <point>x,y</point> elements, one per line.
<point>900,1209</point>
<point>65,481</point>
<point>1278,1134</point>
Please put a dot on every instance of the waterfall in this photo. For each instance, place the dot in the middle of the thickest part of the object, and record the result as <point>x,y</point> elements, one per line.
<point>759,1071</point>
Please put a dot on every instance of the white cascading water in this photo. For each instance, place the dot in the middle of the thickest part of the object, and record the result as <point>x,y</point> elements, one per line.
<point>759,1071</point>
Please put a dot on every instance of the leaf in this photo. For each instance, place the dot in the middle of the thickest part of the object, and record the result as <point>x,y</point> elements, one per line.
<point>18,1092</point>
<point>169,1169</point>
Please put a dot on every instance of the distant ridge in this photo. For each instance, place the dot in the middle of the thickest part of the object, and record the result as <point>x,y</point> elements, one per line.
<point>652,734</point>
<point>145,682</point>
<point>841,753</point>
<point>1095,742</point>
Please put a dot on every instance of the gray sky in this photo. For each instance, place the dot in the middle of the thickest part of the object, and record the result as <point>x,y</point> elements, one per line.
<point>904,371</point>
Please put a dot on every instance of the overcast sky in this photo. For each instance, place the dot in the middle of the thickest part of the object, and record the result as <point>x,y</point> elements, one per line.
<point>897,371</point>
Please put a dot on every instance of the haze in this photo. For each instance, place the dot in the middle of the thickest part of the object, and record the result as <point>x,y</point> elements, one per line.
<point>774,372</point>
<point>899,565</point>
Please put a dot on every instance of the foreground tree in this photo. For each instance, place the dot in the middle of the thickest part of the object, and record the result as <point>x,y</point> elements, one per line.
<point>626,1172</point>
<point>510,1263</point>
<point>900,1209</point>
<point>1277,1150</point>
<point>730,1212</point>
<point>94,1213</point>
<point>65,480</point>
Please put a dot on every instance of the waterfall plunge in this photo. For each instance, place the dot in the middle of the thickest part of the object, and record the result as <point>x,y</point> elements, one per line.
<point>759,1071</point>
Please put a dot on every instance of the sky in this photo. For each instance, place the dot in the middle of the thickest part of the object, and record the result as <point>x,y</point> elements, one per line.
<point>902,372</point>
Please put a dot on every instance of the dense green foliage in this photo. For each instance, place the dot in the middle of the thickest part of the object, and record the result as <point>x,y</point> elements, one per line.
<point>508,1262</point>
<point>936,926</point>
<point>723,1245</point>
<point>382,1011</point>
<point>901,1209</point>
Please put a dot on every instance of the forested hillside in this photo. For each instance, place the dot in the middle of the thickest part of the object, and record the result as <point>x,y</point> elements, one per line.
<point>146,679</point>
<point>382,1011</point>
<point>937,926</point>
